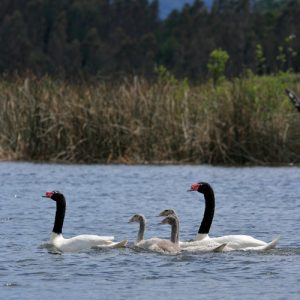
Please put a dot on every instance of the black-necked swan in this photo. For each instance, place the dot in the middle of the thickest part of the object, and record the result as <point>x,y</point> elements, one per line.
<point>234,242</point>
<point>79,242</point>
<point>156,244</point>
<point>194,246</point>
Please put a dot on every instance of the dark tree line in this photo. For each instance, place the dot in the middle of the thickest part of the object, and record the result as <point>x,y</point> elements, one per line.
<point>111,38</point>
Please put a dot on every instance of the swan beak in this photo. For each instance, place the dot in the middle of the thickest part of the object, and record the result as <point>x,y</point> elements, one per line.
<point>48,195</point>
<point>194,187</point>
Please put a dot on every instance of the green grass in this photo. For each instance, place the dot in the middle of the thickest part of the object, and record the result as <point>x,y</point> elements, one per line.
<point>244,121</point>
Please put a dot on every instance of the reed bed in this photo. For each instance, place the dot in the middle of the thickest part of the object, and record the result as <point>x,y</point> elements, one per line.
<point>243,121</point>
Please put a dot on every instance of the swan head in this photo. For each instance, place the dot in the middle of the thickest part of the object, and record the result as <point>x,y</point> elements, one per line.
<point>54,195</point>
<point>171,220</point>
<point>201,187</point>
<point>137,218</point>
<point>167,212</point>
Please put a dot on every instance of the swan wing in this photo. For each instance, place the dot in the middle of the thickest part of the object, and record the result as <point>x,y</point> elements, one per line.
<point>158,245</point>
<point>147,244</point>
<point>205,243</point>
<point>202,246</point>
<point>220,248</point>
<point>168,246</point>
<point>239,242</point>
<point>120,244</point>
<point>268,246</point>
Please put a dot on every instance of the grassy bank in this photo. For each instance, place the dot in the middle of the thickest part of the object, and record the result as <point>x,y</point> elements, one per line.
<point>242,121</point>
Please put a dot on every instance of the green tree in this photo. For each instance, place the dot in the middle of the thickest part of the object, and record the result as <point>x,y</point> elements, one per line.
<point>216,64</point>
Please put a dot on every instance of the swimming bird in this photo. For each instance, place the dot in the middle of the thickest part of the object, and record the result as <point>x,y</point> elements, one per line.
<point>195,246</point>
<point>156,244</point>
<point>79,242</point>
<point>234,242</point>
<point>295,100</point>
<point>170,212</point>
<point>173,221</point>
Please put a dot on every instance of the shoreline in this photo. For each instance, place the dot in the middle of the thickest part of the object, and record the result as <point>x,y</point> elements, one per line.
<point>169,163</point>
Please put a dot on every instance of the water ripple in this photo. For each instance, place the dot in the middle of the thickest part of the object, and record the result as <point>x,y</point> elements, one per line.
<point>100,200</point>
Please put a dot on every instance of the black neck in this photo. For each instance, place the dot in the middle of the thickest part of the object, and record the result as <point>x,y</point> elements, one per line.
<point>141,232</point>
<point>59,216</point>
<point>208,213</point>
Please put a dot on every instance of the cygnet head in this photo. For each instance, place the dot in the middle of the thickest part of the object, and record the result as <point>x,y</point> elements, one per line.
<point>201,187</point>
<point>136,218</point>
<point>167,212</point>
<point>171,220</point>
<point>54,195</point>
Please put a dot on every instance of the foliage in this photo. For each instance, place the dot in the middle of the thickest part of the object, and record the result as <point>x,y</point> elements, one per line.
<point>260,60</point>
<point>217,63</point>
<point>248,120</point>
<point>105,39</point>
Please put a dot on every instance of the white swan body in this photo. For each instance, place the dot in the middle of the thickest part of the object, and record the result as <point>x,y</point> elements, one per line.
<point>155,244</point>
<point>79,242</point>
<point>233,242</point>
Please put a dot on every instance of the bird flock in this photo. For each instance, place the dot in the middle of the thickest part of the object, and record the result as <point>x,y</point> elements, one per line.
<point>202,242</point>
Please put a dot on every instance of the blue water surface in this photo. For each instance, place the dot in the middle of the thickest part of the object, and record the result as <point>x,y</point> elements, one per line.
<point>260,201</point>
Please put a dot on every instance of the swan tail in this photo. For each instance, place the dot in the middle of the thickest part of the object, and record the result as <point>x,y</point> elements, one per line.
<point>268,246</point>
<point>220,248</point>
<point>120,244</point>
<point>272,244</point>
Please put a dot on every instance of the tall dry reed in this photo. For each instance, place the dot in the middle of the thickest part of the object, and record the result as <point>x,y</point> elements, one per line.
<point>247,120</point>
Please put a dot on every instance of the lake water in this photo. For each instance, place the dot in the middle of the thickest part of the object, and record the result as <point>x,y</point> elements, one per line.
<point>262,202</point>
